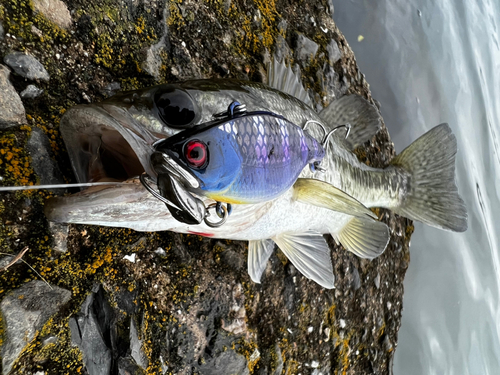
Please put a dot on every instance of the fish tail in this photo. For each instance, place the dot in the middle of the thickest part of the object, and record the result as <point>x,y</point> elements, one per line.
<point>432,196</point>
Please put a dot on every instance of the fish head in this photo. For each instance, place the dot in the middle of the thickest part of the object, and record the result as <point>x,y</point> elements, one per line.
<point>207,159</point>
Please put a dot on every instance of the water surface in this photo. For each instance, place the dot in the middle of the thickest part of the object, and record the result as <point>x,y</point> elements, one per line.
<point>430,62</point>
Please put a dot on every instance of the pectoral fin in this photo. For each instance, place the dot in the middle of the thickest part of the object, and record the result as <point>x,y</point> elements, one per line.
<point>310,254</point>
<point>258,255</point>
<point>365,238</point>
<point>322,194</point>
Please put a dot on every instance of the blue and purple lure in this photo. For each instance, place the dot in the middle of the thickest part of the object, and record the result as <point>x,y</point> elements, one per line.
<point>248,159</point>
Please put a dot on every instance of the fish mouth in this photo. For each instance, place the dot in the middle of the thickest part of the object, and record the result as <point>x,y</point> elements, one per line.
<point>106,143</point>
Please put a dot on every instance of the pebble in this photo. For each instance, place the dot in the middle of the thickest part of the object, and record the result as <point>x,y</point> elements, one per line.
<point>152,63</point>
<point>130,258</point>
<point>356,281</point>
<point>11,107</point>
<point>60,235</point>
<point>136,351</point>
<point>23,316</point>
<point>333,51</point>
<point>111,89</point>
<point>31,92</point>
<point>327,333</point>
<point>377,281</point>
<point>26,66</point>
<point>36,31</point>
<point>282,50</point>
<point>160,252</point>
<point>305,48</point>
<point>55,11</point>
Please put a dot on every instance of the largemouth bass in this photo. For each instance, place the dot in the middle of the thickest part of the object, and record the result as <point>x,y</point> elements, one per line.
<point>115,139</point>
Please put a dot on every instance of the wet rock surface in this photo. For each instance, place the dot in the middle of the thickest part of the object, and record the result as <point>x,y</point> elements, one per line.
<point>185,305</point>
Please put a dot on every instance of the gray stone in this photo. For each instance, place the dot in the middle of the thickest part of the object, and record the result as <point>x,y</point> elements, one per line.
<point>111,89</point>
<point>330,84</point>
<point>31,92</point>
<point>356,282</point>
<point>35,30</point>
<point>282,50</point>
<point>45,167</point>
<point>26,66</point>
<point>227,363</point>
<point>2,33</point>
<point>11,107</point>
<point>5,261</point>
<point>377,281</point>
<point>55,11</point>
<point>25,311</point>
<point>306,48</point>
<point>279,362</point>
<point>136,351</point>
<point>334,53</point>
<point>152,63</point>
<point>86,333</point>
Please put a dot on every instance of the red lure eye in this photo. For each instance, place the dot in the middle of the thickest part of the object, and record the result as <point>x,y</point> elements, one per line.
<point>195,153</point>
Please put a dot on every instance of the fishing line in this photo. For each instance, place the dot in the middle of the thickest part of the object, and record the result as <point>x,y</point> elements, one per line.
<point>60,186</point>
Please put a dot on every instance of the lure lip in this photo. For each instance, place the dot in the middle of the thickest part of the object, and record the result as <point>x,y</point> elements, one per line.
<point>167,162</point>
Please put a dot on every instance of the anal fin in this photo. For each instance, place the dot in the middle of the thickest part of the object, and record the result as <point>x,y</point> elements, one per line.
<point>310,254</point>
<point>365,238</point>
<point>259,252</point>
<point>322,194</point>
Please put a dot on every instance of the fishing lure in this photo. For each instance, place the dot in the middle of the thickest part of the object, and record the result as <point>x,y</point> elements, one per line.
<point>245,158</point>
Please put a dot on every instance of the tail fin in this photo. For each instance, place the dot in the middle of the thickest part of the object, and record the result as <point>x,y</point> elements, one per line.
<point>433,195</point>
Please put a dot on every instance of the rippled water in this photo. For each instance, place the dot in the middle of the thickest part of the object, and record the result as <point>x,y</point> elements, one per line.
<point>433,61</point>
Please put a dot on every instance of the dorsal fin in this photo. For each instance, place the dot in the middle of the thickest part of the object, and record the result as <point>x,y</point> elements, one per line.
<point>364,118</point>
<point>281,77</point>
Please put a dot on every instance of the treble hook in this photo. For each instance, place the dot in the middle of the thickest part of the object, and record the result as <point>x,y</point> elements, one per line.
<point>315,122</point>
<point>347,126</point>
<point>328,134</point>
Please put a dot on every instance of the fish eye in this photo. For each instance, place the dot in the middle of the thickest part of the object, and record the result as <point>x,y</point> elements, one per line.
<point>196,154</point>
<point>175,107</point>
